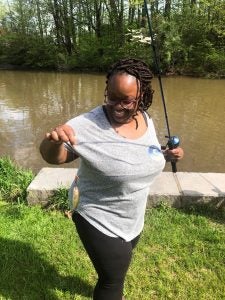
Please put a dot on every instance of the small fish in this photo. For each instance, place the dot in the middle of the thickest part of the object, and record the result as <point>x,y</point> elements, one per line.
<point>75,194</point>
<point>74,201</point>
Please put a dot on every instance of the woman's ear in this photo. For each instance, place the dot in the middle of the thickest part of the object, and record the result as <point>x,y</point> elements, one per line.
<point>105,94</point>
<point>141,104</point>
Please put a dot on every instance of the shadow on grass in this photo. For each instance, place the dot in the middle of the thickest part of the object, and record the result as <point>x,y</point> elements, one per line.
<point>198,204</point>
<point>13,212</point>
<point>208,210</point>
<point>24,274</point>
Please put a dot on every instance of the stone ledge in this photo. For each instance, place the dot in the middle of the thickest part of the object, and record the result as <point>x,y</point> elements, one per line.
<point>47,181</point>
<point>178,190</point>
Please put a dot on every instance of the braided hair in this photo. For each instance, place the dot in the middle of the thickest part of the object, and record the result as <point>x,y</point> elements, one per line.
<point>141,72</point>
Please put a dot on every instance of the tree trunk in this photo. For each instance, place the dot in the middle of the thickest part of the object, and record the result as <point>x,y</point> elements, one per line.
<point>40,27</point>
<point>167,9</point>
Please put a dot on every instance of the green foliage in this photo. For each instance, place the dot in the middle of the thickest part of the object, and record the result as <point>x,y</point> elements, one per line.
<point>3,10</point>
<point>170,46</point>
<point>27,51</point>
<point>13,181</point>
<point>41,53</point>
<point>215,63</point>
<point>189,37</point>
<point>90,55</point>
<point>15,47</point>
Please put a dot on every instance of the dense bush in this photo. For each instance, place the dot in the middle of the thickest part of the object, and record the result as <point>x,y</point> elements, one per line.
<point>91,35</point>
<point>28,51</point>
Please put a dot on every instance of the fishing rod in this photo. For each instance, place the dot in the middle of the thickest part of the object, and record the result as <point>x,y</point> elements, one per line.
<point>173,141</point>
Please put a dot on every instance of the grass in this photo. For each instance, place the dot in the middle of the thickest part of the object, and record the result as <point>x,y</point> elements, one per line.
<point>13,181</point>
<point>181,255</point>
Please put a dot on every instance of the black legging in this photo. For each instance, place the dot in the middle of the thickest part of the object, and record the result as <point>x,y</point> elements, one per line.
<point>110,256</point>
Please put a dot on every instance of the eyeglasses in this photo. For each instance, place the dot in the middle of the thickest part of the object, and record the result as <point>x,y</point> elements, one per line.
<point>127,104</point>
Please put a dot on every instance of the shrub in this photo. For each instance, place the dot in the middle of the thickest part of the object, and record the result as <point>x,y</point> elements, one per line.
<point>215,62</point>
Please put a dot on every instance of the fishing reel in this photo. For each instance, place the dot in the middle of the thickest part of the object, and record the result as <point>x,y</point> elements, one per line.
<point>173,142</point>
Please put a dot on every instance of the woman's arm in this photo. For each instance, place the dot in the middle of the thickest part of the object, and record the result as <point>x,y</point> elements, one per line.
<point>52,148</point>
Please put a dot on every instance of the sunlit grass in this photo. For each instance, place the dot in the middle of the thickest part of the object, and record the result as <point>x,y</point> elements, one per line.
<point>180,256</point>
<point>13,181</point>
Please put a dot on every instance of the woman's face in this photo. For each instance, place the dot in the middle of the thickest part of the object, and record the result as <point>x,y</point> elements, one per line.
<point>122,97</point>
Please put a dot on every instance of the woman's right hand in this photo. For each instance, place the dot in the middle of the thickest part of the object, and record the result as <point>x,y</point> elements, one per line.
<point>52,148</point>
<point>62,133</point>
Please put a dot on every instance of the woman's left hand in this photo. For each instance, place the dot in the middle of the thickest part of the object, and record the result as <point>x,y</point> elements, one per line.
<point>174,154</point>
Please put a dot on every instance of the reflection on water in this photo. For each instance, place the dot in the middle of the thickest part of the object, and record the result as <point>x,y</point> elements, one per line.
<point>31,103</point>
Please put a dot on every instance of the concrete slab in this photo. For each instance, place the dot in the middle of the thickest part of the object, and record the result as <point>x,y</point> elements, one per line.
<point>51,178</point>
<point>165,189</point>
<point>47,181</point>
<point>194,184</point>
<point>178,190</point>
<point>217,180</point>
<point>165,184</point>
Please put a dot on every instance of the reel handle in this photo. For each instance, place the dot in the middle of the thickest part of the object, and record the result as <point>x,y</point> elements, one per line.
<point>173,143</point>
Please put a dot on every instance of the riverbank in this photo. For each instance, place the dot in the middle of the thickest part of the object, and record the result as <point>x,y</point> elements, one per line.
<point>70,69</point>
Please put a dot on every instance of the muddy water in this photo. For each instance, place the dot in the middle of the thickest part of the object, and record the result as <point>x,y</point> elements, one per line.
<point>31,103</point>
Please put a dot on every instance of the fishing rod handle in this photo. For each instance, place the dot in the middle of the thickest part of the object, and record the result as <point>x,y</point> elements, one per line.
<point>174,166</point>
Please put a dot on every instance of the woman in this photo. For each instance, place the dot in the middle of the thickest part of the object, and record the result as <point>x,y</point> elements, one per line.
<point>120,157</point>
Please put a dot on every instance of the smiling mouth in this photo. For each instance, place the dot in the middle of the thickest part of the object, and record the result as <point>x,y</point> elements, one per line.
<point>120,115</point>
<point>118,112</point>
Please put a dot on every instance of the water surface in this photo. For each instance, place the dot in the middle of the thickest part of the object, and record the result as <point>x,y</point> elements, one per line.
<point>32,103</point>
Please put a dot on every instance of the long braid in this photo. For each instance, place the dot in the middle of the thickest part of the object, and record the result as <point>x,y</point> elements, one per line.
<point>140,70</point>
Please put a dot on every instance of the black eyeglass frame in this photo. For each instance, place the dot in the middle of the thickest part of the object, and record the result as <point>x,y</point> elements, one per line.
<point>125,103</point>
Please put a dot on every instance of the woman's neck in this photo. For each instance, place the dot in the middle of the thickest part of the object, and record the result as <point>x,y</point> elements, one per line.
<point>133,129</point>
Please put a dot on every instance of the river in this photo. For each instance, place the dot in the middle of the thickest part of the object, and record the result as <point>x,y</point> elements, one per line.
<point>31,103</point>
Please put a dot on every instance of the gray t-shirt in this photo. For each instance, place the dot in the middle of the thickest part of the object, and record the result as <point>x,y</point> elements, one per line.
<point>115,174</point>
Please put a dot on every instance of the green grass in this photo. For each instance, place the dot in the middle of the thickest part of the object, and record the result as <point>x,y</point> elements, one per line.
<point>181,255</point>
<point>13,181</point>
